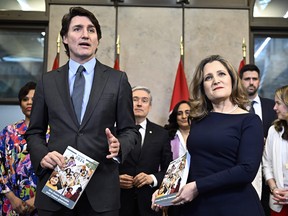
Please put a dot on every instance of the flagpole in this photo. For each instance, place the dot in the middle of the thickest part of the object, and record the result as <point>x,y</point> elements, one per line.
<point>117,57</point>
<point>116,23</point>
<point>181,49</point>
<point>243,61</point>
<point>57,57</point>
<point>244,49</point>
<point>183,2</point>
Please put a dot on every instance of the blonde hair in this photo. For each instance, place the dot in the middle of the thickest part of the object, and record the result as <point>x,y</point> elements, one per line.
<point>280,124</point>
<point>201,105</point>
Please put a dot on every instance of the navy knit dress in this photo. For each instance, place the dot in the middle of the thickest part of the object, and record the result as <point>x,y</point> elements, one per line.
<point>226,150</point>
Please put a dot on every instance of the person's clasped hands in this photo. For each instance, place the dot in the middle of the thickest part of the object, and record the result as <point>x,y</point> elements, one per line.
<point>280,196</point>
<point>128,182</point>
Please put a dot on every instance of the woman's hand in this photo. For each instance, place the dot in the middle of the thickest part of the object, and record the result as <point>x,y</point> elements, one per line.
<point>186,194</point>
<point>30,205</point>
<point>154,206</point>
<point>17,204</point>
<point>280,196</point>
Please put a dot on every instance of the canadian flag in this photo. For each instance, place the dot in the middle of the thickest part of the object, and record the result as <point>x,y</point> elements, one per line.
<point>180,90</point>
<point>116,64</point>
<point>56,62</point>
<point>242,63</point>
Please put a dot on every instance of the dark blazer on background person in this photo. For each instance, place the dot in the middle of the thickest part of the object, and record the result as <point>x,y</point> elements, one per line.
<point>110,102</point>
<point>154,159</point>
<point>268,114</point>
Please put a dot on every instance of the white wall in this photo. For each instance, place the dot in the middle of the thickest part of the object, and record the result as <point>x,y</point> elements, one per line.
<point>149,43</point>
<point>149,51</point>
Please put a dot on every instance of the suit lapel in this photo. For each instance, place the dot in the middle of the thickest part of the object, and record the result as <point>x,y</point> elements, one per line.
<point>61,80</point>
<point>148,135</point>
<point>99,81</point>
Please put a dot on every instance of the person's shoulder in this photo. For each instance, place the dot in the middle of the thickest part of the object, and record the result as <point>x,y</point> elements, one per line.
<point>272,130</point>
<point>240,111</point>
<point>105,67</point>
<point>251,118</point>
<point>14,125</point>
<point>61,69</point>
<point>267,100</point>
<point>155,126</point>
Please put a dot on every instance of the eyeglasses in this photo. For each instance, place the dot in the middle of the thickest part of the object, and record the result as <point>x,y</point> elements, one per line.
<point>144,100</point>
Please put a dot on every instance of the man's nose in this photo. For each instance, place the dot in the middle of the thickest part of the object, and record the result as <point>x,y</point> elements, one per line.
<point>85,33</point>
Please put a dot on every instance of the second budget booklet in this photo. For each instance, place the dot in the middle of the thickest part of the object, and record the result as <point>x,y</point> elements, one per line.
<point>175,178</point>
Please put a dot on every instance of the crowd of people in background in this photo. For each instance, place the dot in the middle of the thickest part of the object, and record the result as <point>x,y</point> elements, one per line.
<point>236,140</point>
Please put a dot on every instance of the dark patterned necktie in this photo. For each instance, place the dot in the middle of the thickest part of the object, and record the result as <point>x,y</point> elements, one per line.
<point>78,92</point>
<point>252,110</point>
<point>137,148</point>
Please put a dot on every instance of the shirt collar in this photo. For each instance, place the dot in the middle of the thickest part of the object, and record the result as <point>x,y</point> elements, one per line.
<point>144,124</point>
<point>89,66</point>
<point>257,99</point>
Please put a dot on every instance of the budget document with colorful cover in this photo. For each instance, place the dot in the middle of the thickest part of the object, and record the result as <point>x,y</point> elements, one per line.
<point>67,185</point>
<point>174,179</point>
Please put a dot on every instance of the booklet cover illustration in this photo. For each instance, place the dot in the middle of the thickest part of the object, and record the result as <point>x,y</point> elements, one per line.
<point>67,185</point>
<point>174,179</point>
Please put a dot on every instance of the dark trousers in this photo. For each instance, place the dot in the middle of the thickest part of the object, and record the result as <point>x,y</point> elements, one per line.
<point>265,198</point>
<point>82,208</point>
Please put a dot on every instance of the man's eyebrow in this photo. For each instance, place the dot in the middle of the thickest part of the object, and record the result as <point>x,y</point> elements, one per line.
<point>91,26</point>
<point>80,25</point>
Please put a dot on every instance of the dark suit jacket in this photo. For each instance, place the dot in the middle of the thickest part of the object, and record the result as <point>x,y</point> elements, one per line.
<point>268,114</point>
<point>110,101</point>
<point>154,159</point>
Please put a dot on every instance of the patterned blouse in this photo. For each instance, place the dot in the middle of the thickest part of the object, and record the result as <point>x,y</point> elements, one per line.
<point>16,171</point>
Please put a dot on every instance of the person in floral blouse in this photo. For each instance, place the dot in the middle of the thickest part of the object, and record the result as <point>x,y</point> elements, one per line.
<point>17,177</point>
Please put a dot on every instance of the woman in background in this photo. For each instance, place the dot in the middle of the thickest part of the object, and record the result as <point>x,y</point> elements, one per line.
<point>17,176</point>
<point>179,128</point>
<point>275,157</point>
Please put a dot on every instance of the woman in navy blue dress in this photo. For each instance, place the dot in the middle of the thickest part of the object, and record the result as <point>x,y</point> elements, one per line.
<point>225,144</point>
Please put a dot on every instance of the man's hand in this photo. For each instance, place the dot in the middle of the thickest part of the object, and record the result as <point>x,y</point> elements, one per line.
<point>114,145</point>
<point>126,181</point>
<point>51,160</point>
<point>142,179</point>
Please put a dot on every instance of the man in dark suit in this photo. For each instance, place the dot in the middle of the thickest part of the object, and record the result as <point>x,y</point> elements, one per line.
<point>107,100</point>
<point>143,170</point>
<point>263,107</point>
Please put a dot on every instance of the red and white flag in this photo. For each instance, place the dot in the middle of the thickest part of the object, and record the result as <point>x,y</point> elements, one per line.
<point>56,62</point>
<point>242,63</point>
<point>57,57</point>
<point>180,90</point>
<point>116,64</point>
<point>117,59</point>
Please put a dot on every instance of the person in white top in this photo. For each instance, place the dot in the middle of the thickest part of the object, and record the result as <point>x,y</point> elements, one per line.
<point>178,128</point>
<point>275,157</point>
